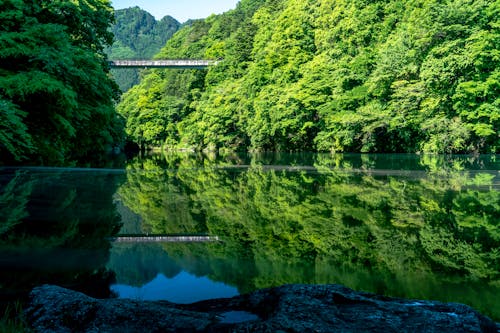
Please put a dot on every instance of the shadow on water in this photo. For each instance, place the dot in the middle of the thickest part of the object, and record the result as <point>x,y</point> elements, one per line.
<point>55,225</point>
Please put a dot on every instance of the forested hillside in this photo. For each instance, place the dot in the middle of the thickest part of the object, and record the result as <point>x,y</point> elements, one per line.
<point>137,36</point>
<point>329,75</point>
<point>56,97</point>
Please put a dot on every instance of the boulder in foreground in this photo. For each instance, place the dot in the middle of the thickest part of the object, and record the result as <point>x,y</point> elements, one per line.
<point>290,308</point>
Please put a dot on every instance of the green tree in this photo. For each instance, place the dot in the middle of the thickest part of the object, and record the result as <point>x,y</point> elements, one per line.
<point>54,83</point>
<point>324,75</point>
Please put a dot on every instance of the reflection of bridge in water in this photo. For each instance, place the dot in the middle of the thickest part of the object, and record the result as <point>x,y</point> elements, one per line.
<point>164,239</point>
<point>172,63</point>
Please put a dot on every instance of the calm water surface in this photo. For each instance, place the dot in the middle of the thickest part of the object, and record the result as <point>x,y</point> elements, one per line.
<point>400,225</point>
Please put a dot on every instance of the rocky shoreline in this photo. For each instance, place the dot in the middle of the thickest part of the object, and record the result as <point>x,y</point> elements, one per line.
<point>290,308</point>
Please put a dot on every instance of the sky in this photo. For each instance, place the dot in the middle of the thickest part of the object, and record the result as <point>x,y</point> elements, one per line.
<point>181,10</point>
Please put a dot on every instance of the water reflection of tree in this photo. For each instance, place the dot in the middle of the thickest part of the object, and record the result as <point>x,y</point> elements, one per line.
<point>58,231</point>
<point>13,201</point>
<point>435,226</point>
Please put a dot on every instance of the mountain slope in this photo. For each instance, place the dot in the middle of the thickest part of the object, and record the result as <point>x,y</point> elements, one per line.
<point>137,36</point>
<point>330,75</point>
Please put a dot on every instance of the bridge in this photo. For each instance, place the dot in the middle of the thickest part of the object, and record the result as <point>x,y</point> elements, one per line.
<point>172,63</point>
<point>163,239</point>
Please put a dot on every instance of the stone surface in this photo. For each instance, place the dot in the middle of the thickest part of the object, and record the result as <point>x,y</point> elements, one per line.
<point>291,308</point>
<point>55,309</point>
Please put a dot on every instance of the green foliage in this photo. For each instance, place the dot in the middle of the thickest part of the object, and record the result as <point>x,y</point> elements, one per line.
<point>137,36</point>
<point>56,97</point>
<point>14,136</point>
<point>13,319</point>
<point>393,76</point>
<point>150,119</point>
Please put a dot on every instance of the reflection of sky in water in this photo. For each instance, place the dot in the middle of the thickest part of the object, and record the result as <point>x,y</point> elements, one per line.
<point>183,288</point>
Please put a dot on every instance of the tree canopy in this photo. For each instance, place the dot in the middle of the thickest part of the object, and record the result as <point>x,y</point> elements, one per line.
<point>329,75</point>
<point>56,97</point>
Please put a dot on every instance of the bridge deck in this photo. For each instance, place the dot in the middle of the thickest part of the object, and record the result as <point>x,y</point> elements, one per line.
<point>165,238</point>
<point>173,63</point>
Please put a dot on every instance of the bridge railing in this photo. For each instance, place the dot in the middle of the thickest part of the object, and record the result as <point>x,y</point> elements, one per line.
<point>172,63</point>
<point>163,239</point>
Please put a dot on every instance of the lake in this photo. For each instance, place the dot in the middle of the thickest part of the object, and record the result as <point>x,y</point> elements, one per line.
<point>188,227</point>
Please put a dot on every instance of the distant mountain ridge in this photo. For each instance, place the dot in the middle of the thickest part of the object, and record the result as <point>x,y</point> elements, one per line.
<point>138,35</point>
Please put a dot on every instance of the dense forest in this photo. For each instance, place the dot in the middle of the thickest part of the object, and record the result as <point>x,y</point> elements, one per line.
<point>137,36</point>
<point>57,100</point>
<point>316,75</point>
<point>329,75</point>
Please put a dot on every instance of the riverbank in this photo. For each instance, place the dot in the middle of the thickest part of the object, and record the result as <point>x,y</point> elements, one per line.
<point>290,308</point>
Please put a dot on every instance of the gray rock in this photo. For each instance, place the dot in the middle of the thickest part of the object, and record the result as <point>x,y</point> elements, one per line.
<point>291,308</point>
<point>55,309</point>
